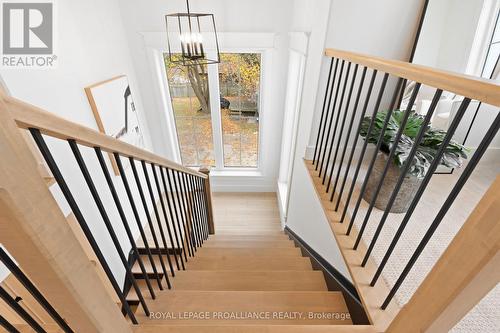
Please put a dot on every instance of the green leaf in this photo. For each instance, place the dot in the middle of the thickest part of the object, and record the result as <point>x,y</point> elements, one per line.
<point>427,150</point>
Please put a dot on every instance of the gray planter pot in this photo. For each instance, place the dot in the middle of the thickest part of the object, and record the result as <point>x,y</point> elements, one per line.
<point>406,193</point>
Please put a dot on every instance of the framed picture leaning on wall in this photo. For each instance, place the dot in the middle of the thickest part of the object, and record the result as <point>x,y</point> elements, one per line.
<point>115,113</point>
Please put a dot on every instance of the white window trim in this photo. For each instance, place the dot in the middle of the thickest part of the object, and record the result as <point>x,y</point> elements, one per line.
<point>262,43</point>
<point>482,38</point>
<point>216,111</point>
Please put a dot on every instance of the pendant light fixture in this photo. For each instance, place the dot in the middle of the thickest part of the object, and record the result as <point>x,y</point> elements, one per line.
<point>190,36</point>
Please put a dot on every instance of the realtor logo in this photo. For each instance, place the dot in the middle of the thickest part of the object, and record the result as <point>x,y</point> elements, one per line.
<point>28,34</point>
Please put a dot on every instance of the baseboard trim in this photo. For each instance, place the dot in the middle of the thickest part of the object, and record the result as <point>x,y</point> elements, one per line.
<point>335,280</point>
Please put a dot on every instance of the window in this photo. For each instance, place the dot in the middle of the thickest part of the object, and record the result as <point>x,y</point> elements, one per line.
<point>237,135</point>
<point>486,46</point>
<point>493,53</point>
<point>191,105</point>
<point>239,83</point>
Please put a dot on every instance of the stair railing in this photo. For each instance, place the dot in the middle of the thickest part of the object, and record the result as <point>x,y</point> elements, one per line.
<point>175,201</point>
<point>356,85</point>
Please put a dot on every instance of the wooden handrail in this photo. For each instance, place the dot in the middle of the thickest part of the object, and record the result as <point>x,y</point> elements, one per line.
<point>483,90</point>
<point>34,230</point>
<point>29,116</point>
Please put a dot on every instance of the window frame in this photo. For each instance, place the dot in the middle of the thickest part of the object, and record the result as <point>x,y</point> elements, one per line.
<point>214,90</point>
<point>490,16</point>
<point>219,160</point>
<point>165,138</point>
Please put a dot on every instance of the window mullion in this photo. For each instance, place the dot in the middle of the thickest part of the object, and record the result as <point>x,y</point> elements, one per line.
<point>213,84</point>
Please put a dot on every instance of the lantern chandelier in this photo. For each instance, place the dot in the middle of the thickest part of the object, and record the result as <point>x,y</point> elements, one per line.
<point>196,34</point>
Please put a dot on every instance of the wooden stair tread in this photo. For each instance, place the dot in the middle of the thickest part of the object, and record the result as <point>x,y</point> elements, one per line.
<point>232,262</point>
<point>216,303</point>
<point>255,329</point>
<point>256,252</point>
<point>238,240</point>
<point>249,243</point>
<point>247,237</point>
<point>250,280</point>
<point>249,263</point>
<point>255,231</point>
<point>25,328</point>
<point>242,281</point>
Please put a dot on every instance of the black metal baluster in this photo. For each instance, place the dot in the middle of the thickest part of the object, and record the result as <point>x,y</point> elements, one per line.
<point>8,326</point>
<point>194,199</point>
<point>182,206</point>
<point>123,217</point>
<point>204,199</point>
<point>335,127</point>
<point>11,302</point>
<point>332,114</point>
<point>323,113</point>
<point>483,146</point>
<point>189,215</point>
<point>326,113</point>
<point>388,162</point>
<point>363,150</point>
<point>178,235</point>
<point>342,126</point>
<point>157,216</point>
<point>197,207</point>
<point>30,287</point>
<point>186,212</point>
<point>178,214</point>
<point>169,231</point>
<point>189,193</point>
<point>348,136</point>
<point>435,162</point>
<point>199,213</point>
<point>404,170</point>
<point>358,131</point>
<point>137,219</point>
<point>148,218</point>
<point>51,163</point>
<point>372,162</point>
<point>204,221</point>
<point>107,222</point>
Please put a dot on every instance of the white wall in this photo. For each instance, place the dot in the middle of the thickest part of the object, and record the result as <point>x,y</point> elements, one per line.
<point>91,47</point>
<point>447,34</point>
<point>384,28</point>
<point>305,215</point>
<point>458,35</point>
<point>446,42</point>
<point>232,16</point>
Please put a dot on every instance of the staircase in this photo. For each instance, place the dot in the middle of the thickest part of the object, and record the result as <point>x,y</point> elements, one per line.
<point>239,271</point>
<point>245,278</point>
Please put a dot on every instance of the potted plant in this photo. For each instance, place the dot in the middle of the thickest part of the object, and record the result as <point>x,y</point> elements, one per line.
<point>433,138</point>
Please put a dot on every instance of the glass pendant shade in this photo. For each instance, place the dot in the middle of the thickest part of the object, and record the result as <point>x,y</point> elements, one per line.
<point>190,36</point>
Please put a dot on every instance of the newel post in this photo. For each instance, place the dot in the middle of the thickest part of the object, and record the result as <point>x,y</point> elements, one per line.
<point>208,193</point>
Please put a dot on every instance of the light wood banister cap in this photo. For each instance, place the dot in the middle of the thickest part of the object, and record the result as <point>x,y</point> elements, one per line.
<point>29,116</point>
<point>483,90</point>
